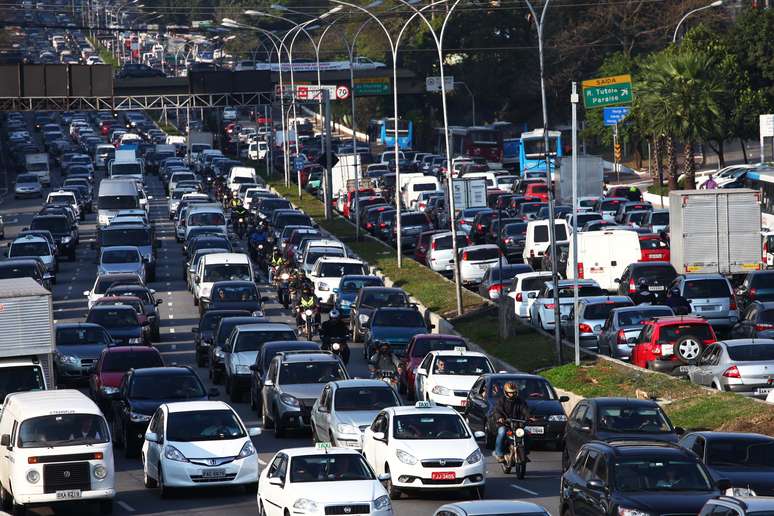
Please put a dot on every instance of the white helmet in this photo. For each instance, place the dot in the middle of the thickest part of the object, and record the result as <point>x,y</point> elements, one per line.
<point>334,314</point>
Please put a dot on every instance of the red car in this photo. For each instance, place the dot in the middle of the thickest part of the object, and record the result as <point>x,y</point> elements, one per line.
<point>666,343</point>
<point>418,348</point>
<point>538,190</point>
<point>364,192</point>
<point>113,362</point>
<point>653,248</point>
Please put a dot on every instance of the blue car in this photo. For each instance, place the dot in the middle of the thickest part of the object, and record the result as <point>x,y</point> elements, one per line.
<point>349,286</point>
<point>394,326</point>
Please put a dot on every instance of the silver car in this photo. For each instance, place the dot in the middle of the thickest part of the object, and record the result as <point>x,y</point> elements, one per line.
<point>744,366</point>
<point>121,259</point>
<point>27,185</point>
<point>541,313</point>
<point>345,408</point>
<point>623,326</point>
<point>711,297</point>
<point>592,314</point>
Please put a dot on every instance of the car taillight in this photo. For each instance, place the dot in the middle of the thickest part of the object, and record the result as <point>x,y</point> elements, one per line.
<point>580,270</point>
<point>382,225</point>
<point>763,327</point>
<point>732,303</point>
<point>752,293</point>
<point>369,225</point>
<point>495,289</point>
<point>550,306</point>
<point>632,287</point>
<point>765,250</point>
<point>519,297</point>
<point>434,245</point>
<point>465,256</point>
<point>732,372</point>
<point>480,227</point>
<point>584,328</point>
<point>621,337</point>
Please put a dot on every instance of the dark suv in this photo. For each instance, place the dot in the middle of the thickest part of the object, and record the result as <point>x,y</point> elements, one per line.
<point>64,232</point>
<point>368,300</point>
<point>636,478</point>
<point>142,391</point>
<point>655,277</point>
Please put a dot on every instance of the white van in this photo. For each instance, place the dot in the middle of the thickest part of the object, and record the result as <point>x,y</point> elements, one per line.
<point>115,195</point>
<point>603,256</point>
<point>240,175</point>
<point>207,214</point>
<point>257,150</point>
<point>416,185</point>
<point>56,448</point>
<point>537,240</point>
<point>491,178</point>
<point>220,267</point>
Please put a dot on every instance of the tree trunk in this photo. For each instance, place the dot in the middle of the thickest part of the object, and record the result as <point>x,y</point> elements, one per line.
<point>689,167</point>
<point>671,162</point>
<point>744,151</point>
<point>721,152</point>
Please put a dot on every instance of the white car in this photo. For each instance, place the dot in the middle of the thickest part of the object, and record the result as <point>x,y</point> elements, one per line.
<point>476,259</point>
<point>198,444</point>
<point>446,377</point>
<point>492,508</point>
<point>524,290</point>
<point>65,198</point>
<point>321,480</point>
<point>105,281</point>
<point>327,273</point>
<point>425,447</point>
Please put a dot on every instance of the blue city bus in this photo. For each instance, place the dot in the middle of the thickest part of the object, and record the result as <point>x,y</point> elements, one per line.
<point>532,151</point>
<point>383,131</point>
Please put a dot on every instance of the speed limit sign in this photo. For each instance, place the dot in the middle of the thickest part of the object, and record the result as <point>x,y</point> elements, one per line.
<point>342,92</point>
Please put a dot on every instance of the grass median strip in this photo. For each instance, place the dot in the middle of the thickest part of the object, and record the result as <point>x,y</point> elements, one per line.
<point>686,404</point>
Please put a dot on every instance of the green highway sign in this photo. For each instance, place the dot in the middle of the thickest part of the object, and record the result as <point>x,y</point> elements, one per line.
<point>607,91</point>
<point>372,86</point>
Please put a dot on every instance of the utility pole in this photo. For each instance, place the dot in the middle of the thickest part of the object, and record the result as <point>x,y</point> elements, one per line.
<point>616,154</point>
<point>576,334</point>
<point>328,168</point>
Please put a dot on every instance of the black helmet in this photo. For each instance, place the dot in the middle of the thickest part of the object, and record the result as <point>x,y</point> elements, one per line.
<point>674,291</point>
<point>384,345</point>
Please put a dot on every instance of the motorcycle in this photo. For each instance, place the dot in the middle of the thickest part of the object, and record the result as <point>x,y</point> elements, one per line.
<point>338,346</point>
<point>283,288</point>
<point>240,227</point>
<point>308,323</point>
<point>515,450</point>
<point>259,256</point>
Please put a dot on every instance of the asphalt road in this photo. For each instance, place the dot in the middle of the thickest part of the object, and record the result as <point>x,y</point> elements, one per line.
<point>178,315</point>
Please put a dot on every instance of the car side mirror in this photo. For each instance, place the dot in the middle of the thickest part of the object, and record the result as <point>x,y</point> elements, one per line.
<point>564,318</point>
<point>213,392</point>
<point>379,436</point>
<point>268,383</point>
<point>632,340</point>
<point>421,371</point>
<point>5,440</point>
<point>151,437</point>
<point>254,431</point>
<point>265,299</point>
<point>617,280</point>
<point>596,484</point>
<point>723,484</point>
<point>384,477</point>
<point>564,399</point>
<point>679,430</point>
<point>254,368</point>
<point>478,436</point>
<point>196,278</point>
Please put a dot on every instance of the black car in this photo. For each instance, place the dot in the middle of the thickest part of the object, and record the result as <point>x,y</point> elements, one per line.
<point>512,239</point>
<point>654,277</point>
<point>78,347</point>
<point>757,286</point>
<point>221,333</point>
<point>138,70</point>
<point>480,225</point>
<point>63,230</point>
<point>746,460</point>
<point>150,304</point>
<point>368,300</point>
<point>624,477</point>
<point>493,232</point>
<point>606,419</point>
<point>497,280</point>
<point>142,391</point>
<point>268,351</point>
<point>383,224</point>
<point>205,242</point>
<point>233,295</point>
<point>26,268</point>
<point>204,332</point>
<point>120,321</point>
<point>547,419</point>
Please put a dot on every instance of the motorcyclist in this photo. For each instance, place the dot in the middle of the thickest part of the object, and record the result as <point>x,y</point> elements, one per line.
<point>259,235</point>
<point>238,212</point>
<point>385,360</point>
<point>508,406</point>
<point>678,304</point>
<point>335,328</point>
<point>307,301</point>
<point>634,194</point>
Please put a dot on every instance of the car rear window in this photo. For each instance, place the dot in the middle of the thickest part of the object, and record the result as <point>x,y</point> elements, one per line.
<point>751,352</point>
<point>763,280</point>
<point>674,332</point>
<point>413,219</point>
<point>536,283</point>
<point>638,317</point>
<point>652,243</point>
<point>662,273</point>
<point>660,218</point>
<point>424,346</point>
<point>610,205</point>
<point>541,233</point>
<point>708,288</point>
<point>583,291</point>
<point>486,253</point>
<point>602,310</point>
<point>444,243</point>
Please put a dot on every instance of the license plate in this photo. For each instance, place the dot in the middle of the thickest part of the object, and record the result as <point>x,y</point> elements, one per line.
<point>710,308</point>
<point>537,430</point>
<point>483,266</point>
<point>449,266</point>
<point>443,475</point>
<point>657,255</point>
<point>214,473</point>
<point>763,390</point>
<point>660,288</point>
<point>69,494</point>
<point>667,349</point>
<point>683,369</point>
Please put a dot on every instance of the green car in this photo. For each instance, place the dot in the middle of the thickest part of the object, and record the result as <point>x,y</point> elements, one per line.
<point>315,181</point>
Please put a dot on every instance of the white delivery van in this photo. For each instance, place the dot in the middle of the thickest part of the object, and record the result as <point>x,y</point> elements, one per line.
<point>37,163</point>
<point>603,256</point>
<point>240,175</point>
<point>416,185</point>
<point>257,150</point>
<point>56,448</point>
<point>538,241</point>
<point>219,267</point>
<point>115,195</point>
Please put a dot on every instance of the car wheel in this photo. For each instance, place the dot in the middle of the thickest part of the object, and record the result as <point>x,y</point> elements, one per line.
<point>5,499</point>
<point>164,491</point>
<point>235,396</point>
<point>477,493</point>
<point>266,422</point>
<point>261,510</point>
<point>489,442</point>
<point>131,449</point>
<point>196,301</point>
<point>688,349</point>
<point>565,460</point>
<point>394,492</point>
<point>217,377</point>
<point>148,481</point>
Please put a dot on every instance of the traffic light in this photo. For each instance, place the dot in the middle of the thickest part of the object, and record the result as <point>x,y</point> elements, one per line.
<point>618,154</point>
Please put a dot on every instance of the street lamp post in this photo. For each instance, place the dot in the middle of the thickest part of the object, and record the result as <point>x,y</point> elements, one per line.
<point>717,3</point>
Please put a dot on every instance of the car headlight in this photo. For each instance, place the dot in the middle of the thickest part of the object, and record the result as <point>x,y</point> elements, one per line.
<point>107,390</point>
<point>172,453</point>
<point>257,313</point>
<point>285,276</point>
<point>138,418</point>
<point>67,359</point>
<point>557,417</point>
<point>739,491</point>
<point>305,505</point>
<point>442,391</point>
<point>289,400</point>
<point>308,312</point>
<point>100,472</point>
<point>345,302</point>
<point>247,450</point>
<point>323,287</point>
<point>242,369</point>
<point>219,353</point>
<point>135,340</point>
<point>474,457</point>
<point>382,503</point>
<point>363,318</point>
<point>623,511</point>
<point>33,476</point>
<point>66,239</point>
<point>405,457</point>
<point>344,428</point>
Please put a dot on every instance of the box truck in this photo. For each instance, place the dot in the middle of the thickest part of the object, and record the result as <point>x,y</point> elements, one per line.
<point>37,163</point>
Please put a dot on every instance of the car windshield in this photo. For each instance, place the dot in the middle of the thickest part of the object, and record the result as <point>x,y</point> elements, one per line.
<point>66,429</point>
<point>29,249</point>
<point>292,373</point>
<point>398,318</point>
<point>336,270</point>
<point>660,218</point>
<point>379,299</point>
<point>77,336</point>
<point>481,254</point>
<point>424,346</point>
<point>675,331</point>
<point>207,219</point>
<point>661,273</point>
<point>125,236</point>
<point>227,271</point>
<point>652,243</point>
<point>751,353</point>
<point>602,310</point>
<point>120,256</point>
<point>166,387</point>
<point>113,318</point>
<point>541,233</point>
<point>313,256</point>
<point>26,178</point>
<point>207,425</point>
<point>649,420</point>
<point>429,426</point>
<point>444,243</point>
<point>105,282</point>
<point>233,293</point>
<point>121,362</point>
<point>253,340</point>
<point>329,467</point>
<point>583,291</point>
<point>529,388</point>
<point>637,217</point>
<point>57,225</point>
<point>751,453</point>
<point>365,398</point>
<point>117,202</point>
<point>353,285</point>
<point>461,365</point>
<point>636,475</point>
<point>708,288</point>
<point>638,317</point>
<point>21,379</point>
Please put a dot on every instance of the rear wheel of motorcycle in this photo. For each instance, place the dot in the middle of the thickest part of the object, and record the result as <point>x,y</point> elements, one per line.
<point>506,467</point>
<point>521,470</point>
